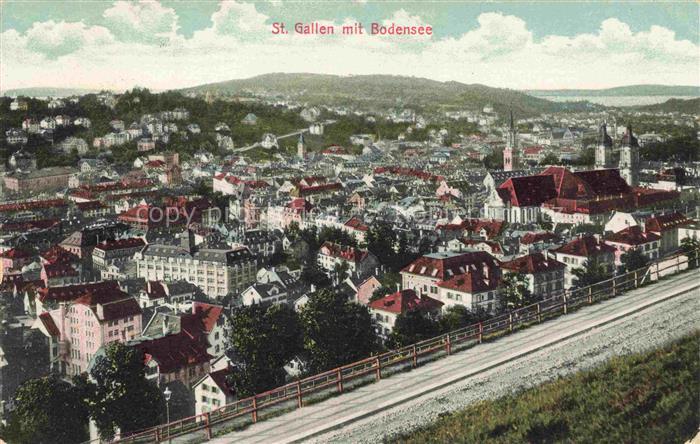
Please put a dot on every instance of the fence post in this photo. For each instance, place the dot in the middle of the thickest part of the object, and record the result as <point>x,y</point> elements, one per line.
<point>415,356</point>
<point>565,308</point>
<point>510,322</point>
<point>157,434</point>
<point>340,380</point>
<point>614,289</point>
<point>636,282</point>
<point>448,344</point>
<point>481,332</point>
<point>590,295</point>
<point>299,400</point>
<point>539,315</point>
<point>208,426</point>
<point>379,368</point>
<point>255,409</point>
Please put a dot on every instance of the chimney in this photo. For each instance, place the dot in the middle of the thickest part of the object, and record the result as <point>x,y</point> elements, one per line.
<point>164,326</point>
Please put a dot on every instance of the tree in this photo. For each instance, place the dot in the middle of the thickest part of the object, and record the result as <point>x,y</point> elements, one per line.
<point>47,410</point>
<point>336,331</point>
<point>550,159</point>
<point>380,293</point>
<point>458,316</point>
<point>341,271</point>
<point>411,327</point>
<point>123,398</point>
<point>592,272</point>
<point>633,260</point>
<point>691,247</point>
<point>494,161</point>
<point>515,291</point>
<point>265,339</point>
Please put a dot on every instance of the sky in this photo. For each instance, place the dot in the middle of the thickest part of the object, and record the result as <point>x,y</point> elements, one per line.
<point>521,45</point>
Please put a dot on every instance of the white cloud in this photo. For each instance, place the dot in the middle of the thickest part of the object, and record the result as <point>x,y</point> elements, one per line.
<point>142,22</point>
<point>499,51</point>
<point>241,20</point>
<point>56,39</point>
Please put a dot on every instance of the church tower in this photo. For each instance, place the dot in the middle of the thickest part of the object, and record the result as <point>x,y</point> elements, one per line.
<point>603,152</point>
<point>301,147</point>
<point>511,160</point>
<point>629,158</point>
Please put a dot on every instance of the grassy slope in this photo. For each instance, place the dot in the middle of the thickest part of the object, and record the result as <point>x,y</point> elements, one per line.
<point>644,398</point>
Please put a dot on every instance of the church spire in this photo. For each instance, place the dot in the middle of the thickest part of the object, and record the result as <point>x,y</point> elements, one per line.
<point>512,125</point>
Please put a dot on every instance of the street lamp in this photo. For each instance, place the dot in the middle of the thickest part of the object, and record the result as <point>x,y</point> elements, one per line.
<point>167,393</point>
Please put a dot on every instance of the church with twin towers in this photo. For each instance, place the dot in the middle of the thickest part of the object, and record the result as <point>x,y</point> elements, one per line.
<point>628,163</point>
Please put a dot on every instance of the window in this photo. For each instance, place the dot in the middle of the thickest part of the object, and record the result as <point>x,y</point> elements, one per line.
<point>205,399</point>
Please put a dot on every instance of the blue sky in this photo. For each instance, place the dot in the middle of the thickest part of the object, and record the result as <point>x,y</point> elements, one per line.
<point>448,18</point>
<point>515,44</point>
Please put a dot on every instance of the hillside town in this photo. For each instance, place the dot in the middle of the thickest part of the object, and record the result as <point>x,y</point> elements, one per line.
<point>201,231</point>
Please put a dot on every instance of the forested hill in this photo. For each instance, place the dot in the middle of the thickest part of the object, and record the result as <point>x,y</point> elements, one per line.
<point>383,91</point>
<point>690,106</point>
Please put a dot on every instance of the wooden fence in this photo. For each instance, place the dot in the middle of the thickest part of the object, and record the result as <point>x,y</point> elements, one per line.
<point>294,395</point>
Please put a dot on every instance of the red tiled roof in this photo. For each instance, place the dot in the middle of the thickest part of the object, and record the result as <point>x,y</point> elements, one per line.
<point>335,149</point>
<point>585,246</point>
<point>209,314</point>
<point>533,263</point>
<point>343,252</point>
<point>114,304</point>
<point>633,236</point>
<point>604,182</point>
<point>492,227</point>
<point>49,324</point>
<point>29,225</point>
<point>300,203</point>
<point>72,292</point>
<point>59,269</point>
<point>528,191</point>
<point>58,254</point>
<point>33,205</point>
<point>155,290</point>
<point>443,268</point>
<point>543,236</point>
<point>131,242</point>
<point>319,188</point>
<point>89,205</point>
<point>472,282</point>
<point>17,253</point>
<point>665,222</point>
<point>174,352</point>
<point>220,378</point>
<point>404,301</point>
<point>356,224</point>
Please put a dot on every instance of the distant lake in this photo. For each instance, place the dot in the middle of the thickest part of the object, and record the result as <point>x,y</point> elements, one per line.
<point>613,100</point>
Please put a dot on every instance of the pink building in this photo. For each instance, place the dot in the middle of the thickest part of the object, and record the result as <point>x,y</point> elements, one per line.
<point>79,325</point>
<point>366,289</point>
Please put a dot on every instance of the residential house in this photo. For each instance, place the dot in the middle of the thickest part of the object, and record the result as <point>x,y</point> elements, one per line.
<point>545,275</point>
<point>634,238</point>
<point>386,310</point>
<point>579,252</point>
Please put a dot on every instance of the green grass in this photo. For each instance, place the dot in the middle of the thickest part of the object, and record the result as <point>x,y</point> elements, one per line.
<point>650,397</point>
